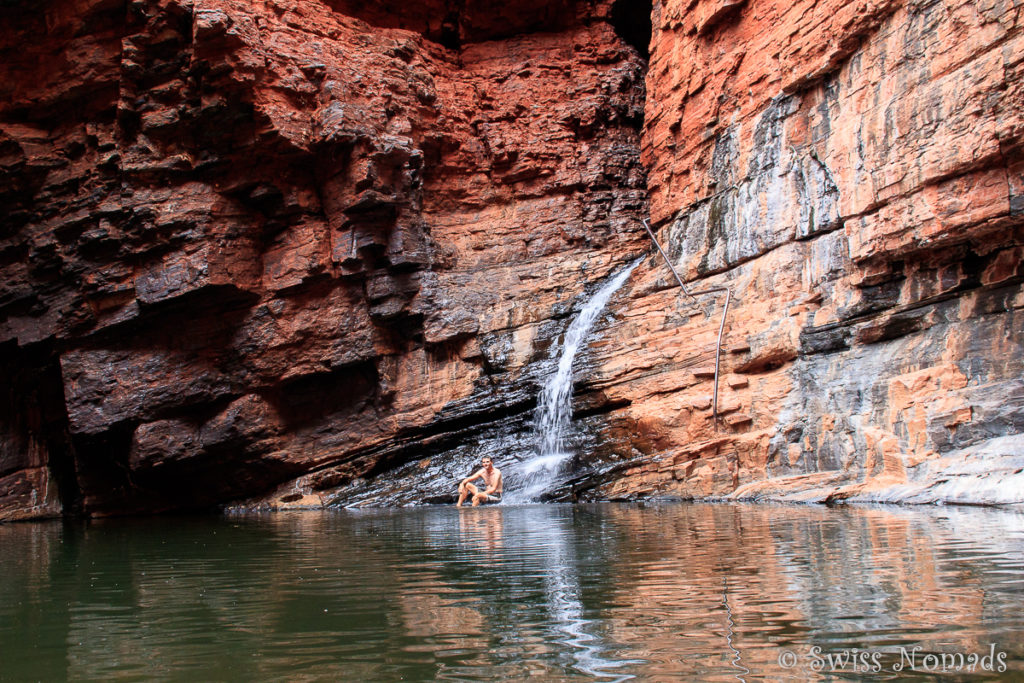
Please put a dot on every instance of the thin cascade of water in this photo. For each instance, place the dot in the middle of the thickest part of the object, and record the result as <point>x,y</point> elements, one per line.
<point>554,406</point>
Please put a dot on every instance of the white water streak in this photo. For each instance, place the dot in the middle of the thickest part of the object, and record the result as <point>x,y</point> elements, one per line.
<point>554,406</point>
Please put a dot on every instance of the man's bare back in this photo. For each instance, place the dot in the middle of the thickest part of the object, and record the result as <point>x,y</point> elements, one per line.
<point>492,482</point>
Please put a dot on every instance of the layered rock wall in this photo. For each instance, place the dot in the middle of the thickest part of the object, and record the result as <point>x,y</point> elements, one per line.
<point>244,242</point>
<point>853,172</point>
<point>307,253</point>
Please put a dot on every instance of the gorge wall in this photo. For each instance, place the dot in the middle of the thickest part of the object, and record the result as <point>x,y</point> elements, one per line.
<point>285,253</point>
<point>853,173</point>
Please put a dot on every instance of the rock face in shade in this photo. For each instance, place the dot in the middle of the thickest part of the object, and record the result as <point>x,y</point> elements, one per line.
<point>247,242</point>
<point>294,253</point>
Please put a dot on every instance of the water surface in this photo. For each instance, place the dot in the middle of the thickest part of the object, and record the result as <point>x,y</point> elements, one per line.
<point>605,592</point>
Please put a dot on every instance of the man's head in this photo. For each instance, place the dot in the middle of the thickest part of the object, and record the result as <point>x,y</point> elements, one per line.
<point>487,462</point>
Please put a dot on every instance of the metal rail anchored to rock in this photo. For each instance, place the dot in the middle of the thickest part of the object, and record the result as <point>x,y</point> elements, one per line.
<point>693,296</point>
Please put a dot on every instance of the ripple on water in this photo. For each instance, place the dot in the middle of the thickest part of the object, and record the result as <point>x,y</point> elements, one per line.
<point>557,592</point>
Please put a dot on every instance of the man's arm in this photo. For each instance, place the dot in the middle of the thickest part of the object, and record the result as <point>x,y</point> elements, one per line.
<point>479,473</point>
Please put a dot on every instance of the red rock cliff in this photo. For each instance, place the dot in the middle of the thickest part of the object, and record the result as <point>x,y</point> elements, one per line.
<point>277,250</point>
<point>853,172</point>
<point>244,242</point>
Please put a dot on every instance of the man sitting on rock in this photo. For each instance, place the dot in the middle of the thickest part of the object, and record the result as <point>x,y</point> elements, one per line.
<point>492,480</point>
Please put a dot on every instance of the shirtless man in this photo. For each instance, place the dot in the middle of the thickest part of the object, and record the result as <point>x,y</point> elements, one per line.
<point>492,479</point>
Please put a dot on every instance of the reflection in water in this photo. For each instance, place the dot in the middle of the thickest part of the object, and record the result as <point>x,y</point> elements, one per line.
<point>482,529</point>
<point>715,592</point>
<point>549,529</point>
<point>564,600</point>
<point>730,626</point>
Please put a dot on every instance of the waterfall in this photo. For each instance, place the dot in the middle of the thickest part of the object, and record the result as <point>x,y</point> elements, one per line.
<point>554,406</point>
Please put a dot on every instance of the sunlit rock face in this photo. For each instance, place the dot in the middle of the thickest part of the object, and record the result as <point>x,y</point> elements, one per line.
<point>322,252</point>
<point>244,243</point>
<point>853,172</point>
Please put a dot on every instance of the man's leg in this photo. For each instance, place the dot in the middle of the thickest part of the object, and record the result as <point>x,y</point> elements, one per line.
<point>479,497</point>
<point>465,490</point>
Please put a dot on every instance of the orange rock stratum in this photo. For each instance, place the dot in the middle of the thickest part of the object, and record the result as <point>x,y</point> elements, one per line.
<point>282,253</point>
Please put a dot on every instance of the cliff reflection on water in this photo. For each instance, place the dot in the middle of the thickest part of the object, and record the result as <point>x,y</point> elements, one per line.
<point>602,592</point>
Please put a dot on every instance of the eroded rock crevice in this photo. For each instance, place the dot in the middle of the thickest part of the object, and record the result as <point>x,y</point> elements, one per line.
<point>632,22</point>
<point>38,468</point>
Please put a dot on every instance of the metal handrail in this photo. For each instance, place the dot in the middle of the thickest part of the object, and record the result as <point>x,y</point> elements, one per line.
<point>692,295</point>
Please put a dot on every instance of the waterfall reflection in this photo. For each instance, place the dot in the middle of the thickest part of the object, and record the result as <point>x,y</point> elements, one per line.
<point>558,534</point>
<point>546,545</point>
